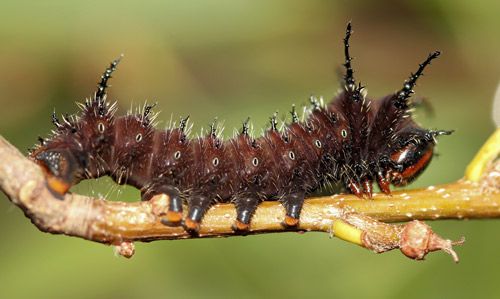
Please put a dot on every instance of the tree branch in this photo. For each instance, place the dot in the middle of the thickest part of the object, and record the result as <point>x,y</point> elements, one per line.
<point>345,216</point>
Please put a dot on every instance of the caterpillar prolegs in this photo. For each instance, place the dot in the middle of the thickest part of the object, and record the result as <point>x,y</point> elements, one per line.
<point>353,141</point>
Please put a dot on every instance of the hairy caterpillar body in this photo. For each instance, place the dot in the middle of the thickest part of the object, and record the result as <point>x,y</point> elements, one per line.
<point>353,140</point>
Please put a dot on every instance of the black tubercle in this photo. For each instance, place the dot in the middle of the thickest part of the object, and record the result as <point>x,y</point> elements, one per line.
<point>183,123</point>
<point>314,102</point>
<point>295,117</point>
<point>407,89</point>
<point>350,83</point>
<point>55,120</point>
<point>98,103</point>
<point>146,113</point>
<point>103,84</point>
<point>245,127</point>
<point>213,129</point>
<point>274,123</point>
<point>353,140</point>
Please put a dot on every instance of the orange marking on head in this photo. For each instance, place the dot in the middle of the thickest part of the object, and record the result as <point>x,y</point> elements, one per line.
<point>57,185</point>
<point>415,168</point>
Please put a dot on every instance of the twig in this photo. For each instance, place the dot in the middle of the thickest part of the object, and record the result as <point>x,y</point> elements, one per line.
<point>345,216</point>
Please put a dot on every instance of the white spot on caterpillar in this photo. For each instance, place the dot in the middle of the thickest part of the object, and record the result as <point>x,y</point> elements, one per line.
<point>177,155</point>
<point>101,127</point>
<point>255,161</point>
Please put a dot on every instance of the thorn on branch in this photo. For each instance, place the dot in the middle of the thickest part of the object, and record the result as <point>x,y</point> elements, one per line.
<point>125,249</point>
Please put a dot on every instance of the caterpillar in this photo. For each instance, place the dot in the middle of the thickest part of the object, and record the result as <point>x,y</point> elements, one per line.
<point>353,141</point>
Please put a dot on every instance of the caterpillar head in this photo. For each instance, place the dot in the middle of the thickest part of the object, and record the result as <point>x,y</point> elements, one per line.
<point>411,156</point>
<point>78,147</point>
<point>61,163</point>
<point>382,142</point>
<point>80,144</point>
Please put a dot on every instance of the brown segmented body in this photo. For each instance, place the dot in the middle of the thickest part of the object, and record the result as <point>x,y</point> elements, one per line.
<point>353,141</point>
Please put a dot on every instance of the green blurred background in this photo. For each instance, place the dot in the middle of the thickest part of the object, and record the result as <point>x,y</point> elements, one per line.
<point>233,59</point>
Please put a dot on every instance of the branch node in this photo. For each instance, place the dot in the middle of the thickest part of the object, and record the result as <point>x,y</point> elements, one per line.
<point>125,249</point>
<point>159,204</point>
<point>27,191</point>
<point>418,239</point>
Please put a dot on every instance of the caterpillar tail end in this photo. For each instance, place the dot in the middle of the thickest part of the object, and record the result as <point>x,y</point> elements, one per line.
<point>57,185</point>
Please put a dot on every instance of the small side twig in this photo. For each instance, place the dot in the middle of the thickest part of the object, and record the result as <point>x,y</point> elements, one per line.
<point>344,216</point>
